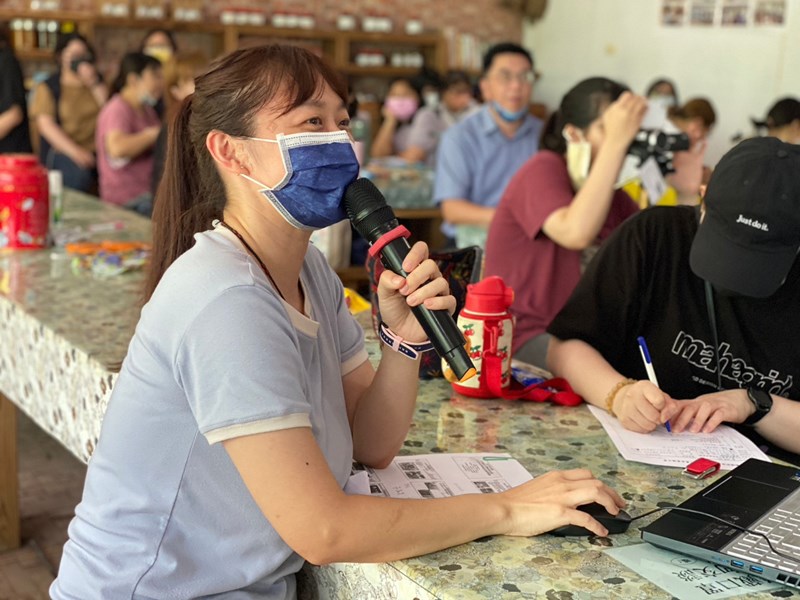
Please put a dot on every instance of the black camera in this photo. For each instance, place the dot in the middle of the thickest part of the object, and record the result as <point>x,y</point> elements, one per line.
<point>76,62</point>
<point>660,145</point>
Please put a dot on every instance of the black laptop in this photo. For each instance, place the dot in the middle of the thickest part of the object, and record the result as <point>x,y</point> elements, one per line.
<point>757,495</point>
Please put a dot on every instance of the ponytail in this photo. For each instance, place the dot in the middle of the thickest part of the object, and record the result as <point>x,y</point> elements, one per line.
<point>189,197</point>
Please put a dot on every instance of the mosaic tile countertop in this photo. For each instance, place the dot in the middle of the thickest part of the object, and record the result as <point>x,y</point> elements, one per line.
<point>62,332</point>
<point>542,437</point>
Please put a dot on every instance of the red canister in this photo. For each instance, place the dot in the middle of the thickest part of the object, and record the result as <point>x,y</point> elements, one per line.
<point>24,202</point>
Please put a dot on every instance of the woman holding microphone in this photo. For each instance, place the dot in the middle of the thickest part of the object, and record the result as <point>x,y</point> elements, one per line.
<point>246,391</point>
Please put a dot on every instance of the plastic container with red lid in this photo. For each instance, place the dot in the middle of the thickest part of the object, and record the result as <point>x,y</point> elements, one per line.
<point>24,202</point>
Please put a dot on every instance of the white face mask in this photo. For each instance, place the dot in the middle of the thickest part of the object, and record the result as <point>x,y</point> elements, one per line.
<point>579,159</point>
<point>664,100</point>
<point>431,99</point>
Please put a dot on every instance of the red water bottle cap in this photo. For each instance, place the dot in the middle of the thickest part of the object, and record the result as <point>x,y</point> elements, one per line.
<point>489,296</point>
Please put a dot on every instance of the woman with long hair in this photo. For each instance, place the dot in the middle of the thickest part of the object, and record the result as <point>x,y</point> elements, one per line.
<point>246,392</point>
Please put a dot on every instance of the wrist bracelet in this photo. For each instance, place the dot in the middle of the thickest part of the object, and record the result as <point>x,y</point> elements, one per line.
<point>613,394</point>
<point>398,344</point>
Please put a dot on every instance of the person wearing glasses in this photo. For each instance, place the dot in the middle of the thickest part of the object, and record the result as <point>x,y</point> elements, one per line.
<point>560,204</point>
<point>478,156</point>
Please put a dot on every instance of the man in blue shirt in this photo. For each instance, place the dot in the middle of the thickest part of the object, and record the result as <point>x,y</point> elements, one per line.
<point>477,157</point>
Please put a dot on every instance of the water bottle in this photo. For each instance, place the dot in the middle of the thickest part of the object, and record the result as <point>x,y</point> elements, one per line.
<point>488,327</point>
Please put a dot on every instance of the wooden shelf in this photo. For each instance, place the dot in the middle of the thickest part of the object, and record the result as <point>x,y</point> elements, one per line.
<point>170,24</point>
<point>34,54</point>
<point>46,15</point>
<point>285,32</point>
<point>379,71</point>
<point>425,39</point>
<point>336,46</point>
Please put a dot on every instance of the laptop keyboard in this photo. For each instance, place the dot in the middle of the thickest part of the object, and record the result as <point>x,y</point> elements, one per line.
<point>782,526</point>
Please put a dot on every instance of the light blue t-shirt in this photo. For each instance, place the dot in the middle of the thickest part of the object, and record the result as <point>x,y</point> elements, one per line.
<point>216,355</point>
<point>475,160</point>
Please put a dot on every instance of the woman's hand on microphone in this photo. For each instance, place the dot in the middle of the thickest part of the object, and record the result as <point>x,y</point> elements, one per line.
<point>424,286</point>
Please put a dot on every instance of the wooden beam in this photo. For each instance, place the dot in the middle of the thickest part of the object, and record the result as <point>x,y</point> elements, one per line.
<point>9,482</point>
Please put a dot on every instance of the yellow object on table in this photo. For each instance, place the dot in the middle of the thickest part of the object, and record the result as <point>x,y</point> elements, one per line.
<point>355,301</point>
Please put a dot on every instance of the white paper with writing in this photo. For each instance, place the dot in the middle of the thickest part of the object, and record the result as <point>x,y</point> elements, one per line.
<point>725,445</point>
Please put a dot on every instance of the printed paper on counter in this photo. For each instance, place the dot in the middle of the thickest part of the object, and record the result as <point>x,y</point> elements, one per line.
<point>443,475</point>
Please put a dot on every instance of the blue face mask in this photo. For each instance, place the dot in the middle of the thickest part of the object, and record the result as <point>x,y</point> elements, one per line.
<point>507,115</point>
<point>319,167</point>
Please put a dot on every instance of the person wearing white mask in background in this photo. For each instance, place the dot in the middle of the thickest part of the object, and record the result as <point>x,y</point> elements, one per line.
<point>401,104</point>
<point>782,122</point>
<point>477,157</point>
<point>663,92</point>
<point>560,204</point>
<point>160,44</point>
<point>127,129</point>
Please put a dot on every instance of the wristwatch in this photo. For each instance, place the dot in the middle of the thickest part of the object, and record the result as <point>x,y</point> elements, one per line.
<point>762,400</point>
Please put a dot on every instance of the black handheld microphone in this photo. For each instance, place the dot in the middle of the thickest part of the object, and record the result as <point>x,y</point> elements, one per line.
<point>375,221</point>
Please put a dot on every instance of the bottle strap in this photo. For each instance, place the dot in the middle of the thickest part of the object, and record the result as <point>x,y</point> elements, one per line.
<point>556,390</point>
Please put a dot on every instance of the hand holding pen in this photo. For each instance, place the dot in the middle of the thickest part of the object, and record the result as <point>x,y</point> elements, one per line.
<point>642,406</point>
<point>651,373</point>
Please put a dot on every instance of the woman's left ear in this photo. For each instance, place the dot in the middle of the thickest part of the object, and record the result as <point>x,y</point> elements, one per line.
<point>572,133</point>
<point>227,152</point>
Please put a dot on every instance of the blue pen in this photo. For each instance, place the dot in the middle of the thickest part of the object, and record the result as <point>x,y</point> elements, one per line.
<point>648,366</point>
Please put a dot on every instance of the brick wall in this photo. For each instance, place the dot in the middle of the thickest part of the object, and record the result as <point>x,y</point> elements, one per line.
<point>484,19</point>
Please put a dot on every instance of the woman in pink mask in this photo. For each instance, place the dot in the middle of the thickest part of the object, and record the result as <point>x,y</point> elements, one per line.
<point>399,108</point>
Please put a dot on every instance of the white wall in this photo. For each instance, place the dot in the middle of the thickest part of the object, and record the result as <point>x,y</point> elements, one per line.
<point>741,70</point>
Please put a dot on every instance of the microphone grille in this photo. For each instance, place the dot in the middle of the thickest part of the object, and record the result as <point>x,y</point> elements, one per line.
<point>367,209</point>
<point>362,196</point>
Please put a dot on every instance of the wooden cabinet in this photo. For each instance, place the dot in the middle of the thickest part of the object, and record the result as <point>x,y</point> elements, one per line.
<point>355,53</point>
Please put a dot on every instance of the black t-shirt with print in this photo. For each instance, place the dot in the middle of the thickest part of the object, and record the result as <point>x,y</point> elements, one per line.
<point>640,284</point>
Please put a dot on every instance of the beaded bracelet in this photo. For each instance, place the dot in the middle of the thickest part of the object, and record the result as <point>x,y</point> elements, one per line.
<point>613,394</point>
<point>398,344</point>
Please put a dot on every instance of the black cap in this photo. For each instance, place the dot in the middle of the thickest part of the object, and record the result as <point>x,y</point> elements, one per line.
<point>750,235</point>
<point>783,112</point>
